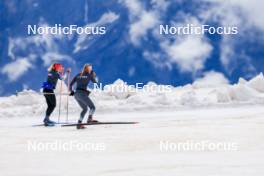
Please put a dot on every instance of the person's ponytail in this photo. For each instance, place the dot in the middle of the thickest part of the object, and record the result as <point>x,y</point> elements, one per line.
<point>51,68</point>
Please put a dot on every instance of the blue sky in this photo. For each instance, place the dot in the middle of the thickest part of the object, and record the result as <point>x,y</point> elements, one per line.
<point>132,48</point>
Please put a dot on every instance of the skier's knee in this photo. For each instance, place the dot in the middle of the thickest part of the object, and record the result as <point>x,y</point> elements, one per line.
<point>85,109</point>
<point>53,105</point>
<point>92,108</point>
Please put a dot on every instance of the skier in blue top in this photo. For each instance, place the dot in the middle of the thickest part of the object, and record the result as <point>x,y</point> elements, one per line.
<point>55,72</point>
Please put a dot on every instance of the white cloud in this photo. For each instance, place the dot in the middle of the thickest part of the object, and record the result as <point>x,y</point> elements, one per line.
<point>252,10</point>
<point>160,4</point>
<point>16,69</point>
<point>139,29</point>
<point>38,45</point>
<point>158,59</point>
<point>190,54</point>
<point>86,10</point>
<point>84,40</point>
<point>131,71</point>
<point>50,57</point>
<point>248,16</point>
<point>45,47</point>
<point>134,6</point>
<point>106,18</point>
<point>143,20</point>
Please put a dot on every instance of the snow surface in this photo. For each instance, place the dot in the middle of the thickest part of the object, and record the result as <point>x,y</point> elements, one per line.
<point>219,113</point>
<point>135,149</point>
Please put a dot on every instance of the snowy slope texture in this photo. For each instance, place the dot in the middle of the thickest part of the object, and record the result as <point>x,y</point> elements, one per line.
<point>202,93</point>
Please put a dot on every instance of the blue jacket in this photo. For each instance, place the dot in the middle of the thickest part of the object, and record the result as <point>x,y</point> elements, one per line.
<point>52,80</point>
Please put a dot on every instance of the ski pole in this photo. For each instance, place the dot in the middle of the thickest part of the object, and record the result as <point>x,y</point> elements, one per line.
<point>60,101</point>
<point>68,87</point>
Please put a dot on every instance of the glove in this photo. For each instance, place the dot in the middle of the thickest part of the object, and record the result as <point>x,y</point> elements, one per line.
<point>88,92</point>
<point>69,70</point>
<point>72,93</point>
<point>93,73</point>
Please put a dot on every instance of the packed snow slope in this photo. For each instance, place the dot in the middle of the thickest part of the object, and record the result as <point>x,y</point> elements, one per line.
<point>134,150</point>
<point>211,90</point>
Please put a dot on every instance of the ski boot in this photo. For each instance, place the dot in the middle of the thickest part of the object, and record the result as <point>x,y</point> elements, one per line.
<point>48,122</point>
<point>80,125</point>
<point>91,120</point>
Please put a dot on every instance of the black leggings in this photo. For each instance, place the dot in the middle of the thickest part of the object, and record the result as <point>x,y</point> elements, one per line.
<point>51,101</point>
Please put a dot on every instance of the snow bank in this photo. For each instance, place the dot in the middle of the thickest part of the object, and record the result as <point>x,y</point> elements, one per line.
<point>211,79</point>
<point>201,93</point>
